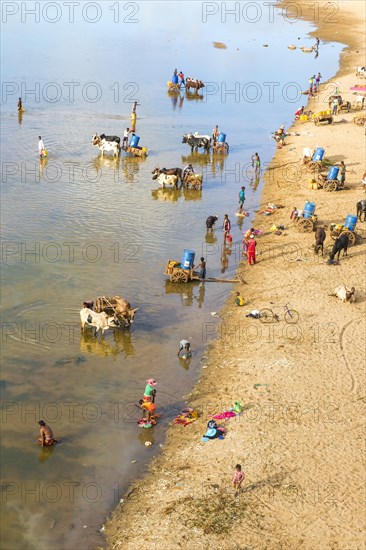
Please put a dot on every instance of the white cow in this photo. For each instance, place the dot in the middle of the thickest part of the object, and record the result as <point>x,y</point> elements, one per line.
<point>164,180</point>
<point>105,145</point>
<point>100,321</point>
<point>361,71</point>
<point>345,294</point>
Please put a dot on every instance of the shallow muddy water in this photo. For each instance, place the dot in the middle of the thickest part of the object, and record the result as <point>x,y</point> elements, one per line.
<point>77,226</point>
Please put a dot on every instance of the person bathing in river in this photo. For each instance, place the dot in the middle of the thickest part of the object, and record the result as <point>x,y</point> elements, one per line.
<point>148,410</point>
<point>150,391</point>
<point>185,347</point>
<point>46,435</point>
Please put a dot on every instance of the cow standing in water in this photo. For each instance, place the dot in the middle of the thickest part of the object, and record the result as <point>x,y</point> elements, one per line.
<point>107,143</point>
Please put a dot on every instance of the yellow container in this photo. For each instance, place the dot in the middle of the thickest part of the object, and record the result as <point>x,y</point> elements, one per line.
<point>304,118</point>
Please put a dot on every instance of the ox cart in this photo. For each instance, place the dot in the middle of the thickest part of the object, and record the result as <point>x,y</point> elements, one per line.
<point>322,116</point>
<point>177,274</point>
<point>137,151</point>
<point>329,185</point>
<point>220,148</point>
<point>336,230</point>
<point>307,225</point>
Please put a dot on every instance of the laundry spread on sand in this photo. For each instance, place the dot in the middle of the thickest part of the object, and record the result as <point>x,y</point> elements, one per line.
<point>185,418</point>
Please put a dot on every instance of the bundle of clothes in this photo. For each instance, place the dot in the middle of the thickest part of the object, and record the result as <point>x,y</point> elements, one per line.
<point>218,432</point>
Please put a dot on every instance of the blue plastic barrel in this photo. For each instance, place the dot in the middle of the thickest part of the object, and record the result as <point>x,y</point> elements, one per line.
<point>319,154</point>
<point>175,79</point>
<point>187,259</point>
<point>134,141</point>
<point>309,209</point>
<point>221,137</point>
<point>350,222</point>
<point>333,173</point>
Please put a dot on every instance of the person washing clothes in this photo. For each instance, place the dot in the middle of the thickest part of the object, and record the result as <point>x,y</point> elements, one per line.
<point>150,391</point>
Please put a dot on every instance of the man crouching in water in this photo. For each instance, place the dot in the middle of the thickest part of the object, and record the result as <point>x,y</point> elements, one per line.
<point>46,439</point>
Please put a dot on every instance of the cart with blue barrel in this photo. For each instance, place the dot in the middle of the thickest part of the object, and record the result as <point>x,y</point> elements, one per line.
<point>330,181</point>
<point>183,272</point>
<point>308,222</point>
<point>220,147</point>
<point>317,161</point>
<point>134,149</point>
<point>348,228</point>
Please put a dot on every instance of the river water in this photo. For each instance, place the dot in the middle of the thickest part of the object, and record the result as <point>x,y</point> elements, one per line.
<point>76,226</point>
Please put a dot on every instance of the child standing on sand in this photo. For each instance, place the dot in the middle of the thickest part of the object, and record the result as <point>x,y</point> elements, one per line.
<point>238,478</point>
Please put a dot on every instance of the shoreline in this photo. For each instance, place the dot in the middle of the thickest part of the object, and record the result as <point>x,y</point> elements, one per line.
<point>296,437</point>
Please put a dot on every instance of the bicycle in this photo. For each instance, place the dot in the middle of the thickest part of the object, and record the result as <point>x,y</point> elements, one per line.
<point>267,315</point>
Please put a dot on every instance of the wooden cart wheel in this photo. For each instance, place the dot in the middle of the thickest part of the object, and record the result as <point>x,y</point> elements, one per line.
<point>320,179</point>
<point>330,185</point>
<point>351,237</point>
<point>305,225</point>
<point>179,276</point>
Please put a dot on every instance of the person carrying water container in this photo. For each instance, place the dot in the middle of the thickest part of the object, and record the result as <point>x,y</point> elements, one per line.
<point>185,347</point>
<point>150,391</point>
<point>40,147</point>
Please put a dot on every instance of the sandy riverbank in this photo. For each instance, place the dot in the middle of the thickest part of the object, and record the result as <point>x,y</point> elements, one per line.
<point>300,439</point>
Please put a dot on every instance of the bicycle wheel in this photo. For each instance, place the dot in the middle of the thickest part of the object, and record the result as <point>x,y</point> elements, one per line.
<point>266,316</point>
<point>291,316</point>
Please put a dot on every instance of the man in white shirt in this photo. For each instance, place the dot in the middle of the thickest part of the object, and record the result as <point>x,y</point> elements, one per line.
<point>40,146</point>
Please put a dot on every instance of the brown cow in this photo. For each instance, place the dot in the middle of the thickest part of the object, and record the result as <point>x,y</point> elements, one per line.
<point>123,309</point>
<point>194,83</point>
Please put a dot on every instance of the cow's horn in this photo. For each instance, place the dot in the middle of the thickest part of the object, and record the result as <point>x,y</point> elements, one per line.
<point>136,308</point>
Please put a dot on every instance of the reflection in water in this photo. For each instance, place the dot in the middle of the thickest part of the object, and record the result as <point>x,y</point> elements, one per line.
<point>225,253</point>
<point>125,168</point>
<point>254,181</point>
<point>210,236</point>
<point>20,117</point>
<point>201,295</point>
<point>42,165</point>
<point>192,194</point>
<point>166,194</point>
<point>186,291</point>
<point>177,99</point>
<point>146,434</point>
<point>122,343</point>
<point>240,220</point>
<point>194,96</point>
<point>172,195</point>
<point>185,362</point>
<point>45,453</point>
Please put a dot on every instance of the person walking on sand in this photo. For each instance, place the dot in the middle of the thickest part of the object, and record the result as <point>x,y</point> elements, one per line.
<point>251,250</point>
<point>226,226</point>
<point>241,197</point>
<point>342,173</point>
<point>246,240</point>
<point>335,105</point>
<point>238,478</point>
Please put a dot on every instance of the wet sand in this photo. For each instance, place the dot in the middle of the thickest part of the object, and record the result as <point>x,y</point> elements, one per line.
<point>300,439</point>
